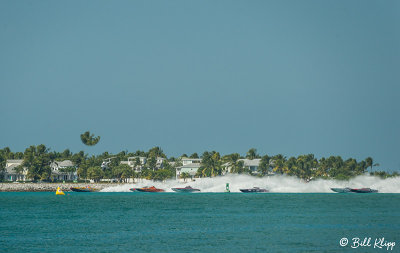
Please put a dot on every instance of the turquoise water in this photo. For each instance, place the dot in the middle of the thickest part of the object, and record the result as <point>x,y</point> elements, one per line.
<point>205,222</point>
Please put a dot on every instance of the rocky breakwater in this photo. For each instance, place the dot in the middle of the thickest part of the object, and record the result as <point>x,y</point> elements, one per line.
<point>48,187</point>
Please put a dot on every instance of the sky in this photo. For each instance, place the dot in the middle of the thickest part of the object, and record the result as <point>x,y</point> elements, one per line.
<point>289,77</point>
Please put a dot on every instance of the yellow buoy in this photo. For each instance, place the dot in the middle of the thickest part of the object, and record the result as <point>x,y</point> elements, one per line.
<point>59,192</point>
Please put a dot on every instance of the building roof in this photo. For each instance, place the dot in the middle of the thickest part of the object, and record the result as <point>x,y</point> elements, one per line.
<point>190,165</point>
<point>66,163</point>
<point>15,161</point>
<point>248,162</point>
<point>190,159</point>
<point>11,169</point>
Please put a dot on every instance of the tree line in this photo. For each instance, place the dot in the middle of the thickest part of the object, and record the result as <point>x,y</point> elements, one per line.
<point>37,160</point>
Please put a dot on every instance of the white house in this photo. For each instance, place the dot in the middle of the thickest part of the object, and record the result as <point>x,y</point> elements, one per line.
<point>11,173</point>
<point>189,165</point>
<point>143,161</point>
<point>58,170</point>
<point>249,164</point>
<point>132,162</point>
<point>186,160</point>
<point>159,162</point>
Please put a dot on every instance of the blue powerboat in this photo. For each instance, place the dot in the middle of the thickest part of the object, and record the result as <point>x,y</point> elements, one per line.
<point>254,189</point>
<point>341,190</point>
<point>364,190</point>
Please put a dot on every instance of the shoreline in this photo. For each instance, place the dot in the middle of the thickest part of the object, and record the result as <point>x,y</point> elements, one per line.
<point>51,187</point>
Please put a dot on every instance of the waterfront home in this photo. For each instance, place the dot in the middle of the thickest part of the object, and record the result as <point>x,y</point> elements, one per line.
<point>136,162</point>
<point>250,165</point>
<point>139,162</point>
<point>13,171</point>
<point>63,171</point>
<point>159,162</point>
<point>189,165</point>
<point>186,160</point>
<point>106,162</point>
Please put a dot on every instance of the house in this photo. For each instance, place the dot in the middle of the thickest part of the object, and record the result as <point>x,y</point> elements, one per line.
<point>159,162</point>
<point>133,164</point>
<point>11,171</point>
<point>248,164</point>
<point>186,160</point>
<point>189,165</point>
<point>63,171</point>
<point>142,162</point>
<point>251,165</point>
<point>106,162</point>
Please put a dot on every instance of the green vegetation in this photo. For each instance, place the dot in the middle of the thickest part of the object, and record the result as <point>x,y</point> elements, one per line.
<point>210,165</point>
<point>3,161</point>
<point>37,160</point>
<point>185,176</point>
<point>252,154</point>
<point>95,173</point>
<point>89,139</point>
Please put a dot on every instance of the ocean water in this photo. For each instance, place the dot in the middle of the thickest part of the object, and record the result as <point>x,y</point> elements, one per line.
<point>197,222</point>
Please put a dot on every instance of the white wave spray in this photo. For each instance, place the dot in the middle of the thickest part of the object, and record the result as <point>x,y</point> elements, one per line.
<point>281,184</point>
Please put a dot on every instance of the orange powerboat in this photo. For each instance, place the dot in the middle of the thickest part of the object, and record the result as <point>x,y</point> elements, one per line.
<point>149,189</point>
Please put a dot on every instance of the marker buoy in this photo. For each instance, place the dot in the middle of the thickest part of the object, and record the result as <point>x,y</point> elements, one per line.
<point>59,192</point>
<point>227,188</point>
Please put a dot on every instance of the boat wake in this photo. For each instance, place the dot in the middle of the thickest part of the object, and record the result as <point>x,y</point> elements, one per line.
<point>279,184</point>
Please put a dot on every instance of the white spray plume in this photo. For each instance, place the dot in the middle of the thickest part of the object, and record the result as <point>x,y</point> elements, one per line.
<point>281,184</point>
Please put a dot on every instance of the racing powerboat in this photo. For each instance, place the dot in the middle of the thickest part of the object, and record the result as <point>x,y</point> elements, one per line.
<point>83,189</point>
<point>185,189</point>
<point>149,189</point>
<point>341,190</point>
<point>364,190</point>
<point>254,189</point>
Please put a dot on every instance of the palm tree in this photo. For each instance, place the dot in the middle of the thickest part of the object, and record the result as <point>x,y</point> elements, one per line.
<point>251,154</point>
<point>3,162</point>
<point>233,160</point>
<point>264,165</point>
<point>89,139</point>
<point>184,175</point>
<point>138,163</point>
<point>370,163</point>
<point>211,164</point>
<point>279,163</point>
<point>156,152</point>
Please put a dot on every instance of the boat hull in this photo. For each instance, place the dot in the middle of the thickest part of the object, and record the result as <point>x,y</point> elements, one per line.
<point>141,190</point>
<point>184,190</point>
<point>341,190</point>
<point>83,189</point>
<point>149,189</point>
<point>253,190</point>
<point>364,190</point>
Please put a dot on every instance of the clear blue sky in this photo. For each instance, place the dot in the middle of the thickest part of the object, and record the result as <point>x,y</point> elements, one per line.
<point>290,77</point>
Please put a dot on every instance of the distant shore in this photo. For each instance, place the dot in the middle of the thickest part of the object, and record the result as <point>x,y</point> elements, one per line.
<point>49,187</point>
